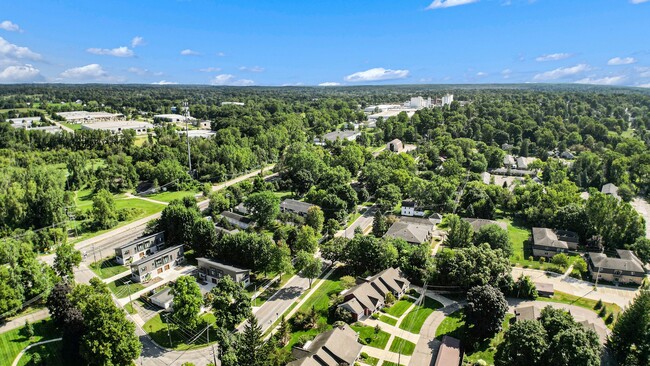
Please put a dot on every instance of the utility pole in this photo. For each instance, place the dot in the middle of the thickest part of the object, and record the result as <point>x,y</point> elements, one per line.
<point>169,334</point>
<point>186,113</point>
<point>128,286</point>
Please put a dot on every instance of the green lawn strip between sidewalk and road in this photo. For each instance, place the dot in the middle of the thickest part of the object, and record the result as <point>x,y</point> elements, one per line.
<point>402,346</point>
<point>564,298</point>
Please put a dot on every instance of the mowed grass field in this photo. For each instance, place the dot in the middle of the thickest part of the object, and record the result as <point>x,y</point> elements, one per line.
<point>14,341</point>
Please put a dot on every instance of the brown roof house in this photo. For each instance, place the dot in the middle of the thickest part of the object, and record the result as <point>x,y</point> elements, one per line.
<point>412,230</point>
<point>549,242</point>
<point>624,269</point>
<point>335,347</point>
<point>449,353</point>
<point>368,297</point>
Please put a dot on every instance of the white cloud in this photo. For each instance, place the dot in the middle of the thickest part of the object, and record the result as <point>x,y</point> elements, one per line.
<point>644,72</point>
<point>506,73</point>
<point>607,80</point>
<point>164,82</point>
<point>638,1</point>
<point>561,72</point>
<point>137,41</point>
<point>210,69</point>
<point>251,69</point>
<point>10,50</point>
<point>229,79</point>
<point>189,52</point>
<point>481,74</point>
<point>644,85</point>
<point>8,25</point>
<point>440,4</point>
<point>329,83</point>
<point>92,71</point>
<point>220,54</point>
<point>22,73</point>
<point>553,57</point>
<point>142,72</point>
<point>117,52</point>
<point>621,61</point>
<point>377,74</point>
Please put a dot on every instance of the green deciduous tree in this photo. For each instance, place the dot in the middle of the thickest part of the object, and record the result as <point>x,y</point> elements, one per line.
<point>524,344</point>
<point>495,236</point>
<point>264,207</point>
<point>486,308</point>
<point>472,266</point>
<point>315,218</point>
<point>187,300</point>
<point>460,232</point>
<point>67,258</point>
<point>104,212</point>
<point>309,265</point>
<point>230,303</point>
<point>629,340</point>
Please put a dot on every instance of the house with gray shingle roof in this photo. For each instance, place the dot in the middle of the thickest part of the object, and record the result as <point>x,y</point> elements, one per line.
<point>549,242</point>
<point>627,268</point>
<point>611,190</point>
<point>370,295</point>
<point>413,230</point>
<point>335,347</point>
<point>477,224</point>
<point>296,207</point>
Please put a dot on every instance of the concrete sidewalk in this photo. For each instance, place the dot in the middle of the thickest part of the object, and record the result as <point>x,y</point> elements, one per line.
<point>20,321</point>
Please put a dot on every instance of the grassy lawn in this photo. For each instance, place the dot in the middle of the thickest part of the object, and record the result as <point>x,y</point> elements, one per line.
<point>401,345</point>
<point>454,326</point>
<point>399,307</point>
<point>171,195</point>
<point>367,335</point>
<point>320,301</point>
<point>51,354</point>
<point>157,326</point>
<point>564,298</point>
<point>121,289</point>
<point>388,363</point>
<point>107,268</point>
<point>72,126</point>
<point>369,359</point>
<point>388,320</point>
<point>415,319</point>
<point>283,194</point>
<point>13,341</point>
<point>522,252</point>
<point>353,217</point>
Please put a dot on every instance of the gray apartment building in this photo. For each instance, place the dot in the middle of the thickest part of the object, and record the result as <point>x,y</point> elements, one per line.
<point>152,266</point>
<point>212,271</point>
<point>139,248</point>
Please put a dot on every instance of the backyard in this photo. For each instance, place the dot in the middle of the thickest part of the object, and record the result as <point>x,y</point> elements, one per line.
<point>163,328</point>
<point>107,268</point>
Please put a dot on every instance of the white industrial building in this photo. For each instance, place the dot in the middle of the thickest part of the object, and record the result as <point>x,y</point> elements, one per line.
<point>233,103</point>
<point>115,127</point>
<point>419,103</point>
<point>172,118</point>
<point>198,133</point>
<point>83,116</point>
<point>447,99</point>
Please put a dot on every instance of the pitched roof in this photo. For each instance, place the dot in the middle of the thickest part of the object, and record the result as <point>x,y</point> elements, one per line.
<point>163,296</point>
<point>449,353</point>
<point>477,224</point>
<point>331,348</point>
<point>547,238</point>
<point>530,312</point>
<point>353,306</point>
<point>627,261</point>
<point>295,205</point>
<point>235,216</point>
<point>508,160</point>
<point>409,231</point>
<point>374,290</point>
<point>610,188</point>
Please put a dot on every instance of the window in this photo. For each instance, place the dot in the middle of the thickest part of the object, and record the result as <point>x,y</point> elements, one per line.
<point>126,252</point>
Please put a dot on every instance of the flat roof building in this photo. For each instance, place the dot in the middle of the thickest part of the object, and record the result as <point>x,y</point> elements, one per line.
<point>349,135</point>
<point>171,118</point>
<point>117,127</point>
<point>449,353</point>
<point>212,271</point>
<point>139,248</point>
<point>198,133</point>
<point>83,116</point>
<point>154,265</point>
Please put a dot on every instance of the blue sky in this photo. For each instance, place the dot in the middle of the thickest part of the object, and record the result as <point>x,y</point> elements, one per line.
<point>334,42</point>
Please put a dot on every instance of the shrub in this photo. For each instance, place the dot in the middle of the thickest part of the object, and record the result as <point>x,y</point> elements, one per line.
<point>304,339</point>
<point>542,260</point>
<point>375,316</point>
<point>603,312</point>
<point>599,304</point>
<point>530,258</point>
<point>561,260</point>
<point>609,319</point>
